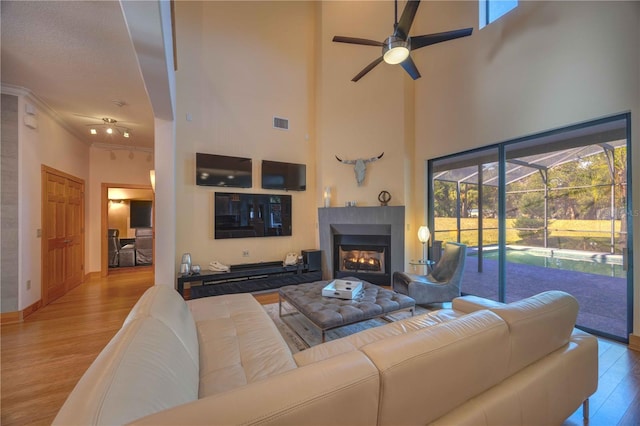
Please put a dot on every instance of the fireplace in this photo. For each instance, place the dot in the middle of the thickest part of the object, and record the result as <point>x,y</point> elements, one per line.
<point>363,256</point>
<point>365,242</point>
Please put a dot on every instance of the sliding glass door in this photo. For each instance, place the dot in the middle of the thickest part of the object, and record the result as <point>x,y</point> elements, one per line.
<point>546,212</point>
<point>465,210</point>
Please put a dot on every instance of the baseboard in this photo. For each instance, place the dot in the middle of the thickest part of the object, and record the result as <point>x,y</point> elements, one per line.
<point>31,309</point>
<point>19,316</point>
<point>10,317</point>
<point>92,275</point>
<point>634,342</point>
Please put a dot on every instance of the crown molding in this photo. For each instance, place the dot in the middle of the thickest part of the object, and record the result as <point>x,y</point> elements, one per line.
<point>11,89</point>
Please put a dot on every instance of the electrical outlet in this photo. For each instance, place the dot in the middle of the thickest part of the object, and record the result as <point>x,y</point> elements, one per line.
<point>28,284</point>
<point>245,253</point>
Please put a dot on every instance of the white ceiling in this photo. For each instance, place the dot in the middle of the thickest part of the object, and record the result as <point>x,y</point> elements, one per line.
<point>77,58</point>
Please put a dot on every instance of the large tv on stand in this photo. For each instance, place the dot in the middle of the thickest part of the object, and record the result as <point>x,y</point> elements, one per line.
<point>241,215</point>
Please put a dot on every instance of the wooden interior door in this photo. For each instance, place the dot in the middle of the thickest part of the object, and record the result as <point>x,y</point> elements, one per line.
<point>62,233</point>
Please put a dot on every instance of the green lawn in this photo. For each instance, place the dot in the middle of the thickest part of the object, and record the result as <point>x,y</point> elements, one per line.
<point>591,235</point>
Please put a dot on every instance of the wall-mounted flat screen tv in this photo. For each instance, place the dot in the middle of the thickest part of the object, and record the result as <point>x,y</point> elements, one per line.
<point>240,215</point>
<point>286,176</point>
<point>140,214</point>
<point>222,170</point>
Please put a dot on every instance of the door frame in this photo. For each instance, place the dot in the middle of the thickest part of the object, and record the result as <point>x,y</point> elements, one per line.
<point>44,269</point>
<point>104,222</point>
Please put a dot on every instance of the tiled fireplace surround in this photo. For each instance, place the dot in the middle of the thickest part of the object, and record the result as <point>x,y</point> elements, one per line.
<point>387,220</point>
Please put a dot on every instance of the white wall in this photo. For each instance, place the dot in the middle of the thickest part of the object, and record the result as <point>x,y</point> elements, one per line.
<point>122,170</point>
<point>543,66</point>
<point>365,118</point>
<point>241,64</point>
<point>51,145</point>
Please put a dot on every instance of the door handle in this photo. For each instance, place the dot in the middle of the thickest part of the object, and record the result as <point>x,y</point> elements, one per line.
<point>68,241</point>
<point>625,259</point>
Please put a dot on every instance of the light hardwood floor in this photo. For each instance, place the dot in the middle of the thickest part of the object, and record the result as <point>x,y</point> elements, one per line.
<point>44,357</point>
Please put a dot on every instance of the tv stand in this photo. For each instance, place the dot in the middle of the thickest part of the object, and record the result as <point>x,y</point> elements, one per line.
<point>248,277</point>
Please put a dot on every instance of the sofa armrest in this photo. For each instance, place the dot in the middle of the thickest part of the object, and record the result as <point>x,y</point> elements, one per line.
<point>468,304</point>
<point>339,390</point>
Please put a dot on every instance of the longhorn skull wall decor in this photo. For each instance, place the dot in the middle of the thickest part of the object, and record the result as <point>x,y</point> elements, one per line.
<point>360,166</point>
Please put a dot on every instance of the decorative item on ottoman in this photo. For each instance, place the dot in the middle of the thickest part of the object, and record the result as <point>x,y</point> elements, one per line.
<point>343,289</point>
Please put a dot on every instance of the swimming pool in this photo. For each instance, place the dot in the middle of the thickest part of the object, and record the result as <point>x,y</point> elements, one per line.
<point>609,265</point>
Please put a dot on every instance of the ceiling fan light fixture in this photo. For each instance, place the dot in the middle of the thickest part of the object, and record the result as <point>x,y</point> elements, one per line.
<point>109,130</point>
<point>395,50</point>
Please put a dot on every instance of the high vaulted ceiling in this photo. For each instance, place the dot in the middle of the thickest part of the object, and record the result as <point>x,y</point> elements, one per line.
<point>78,59</point>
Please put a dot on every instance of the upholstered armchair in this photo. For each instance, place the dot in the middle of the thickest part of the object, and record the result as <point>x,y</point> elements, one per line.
<point>114,247</point>
<point>442,284</point>
<point>144,246</point>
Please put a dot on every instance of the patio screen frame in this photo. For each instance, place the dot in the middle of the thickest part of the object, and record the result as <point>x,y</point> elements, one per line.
<point>511,146</point>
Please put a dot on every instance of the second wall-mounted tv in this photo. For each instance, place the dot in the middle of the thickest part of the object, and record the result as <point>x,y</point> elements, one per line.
<point>286,176</point>
<point>222,170</point>
<point>140,214</point>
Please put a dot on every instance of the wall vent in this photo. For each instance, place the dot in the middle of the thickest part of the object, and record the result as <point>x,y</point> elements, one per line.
<point>280,123</point>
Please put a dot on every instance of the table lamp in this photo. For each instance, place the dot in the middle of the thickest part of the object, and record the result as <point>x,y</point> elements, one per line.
<point>423,236</point>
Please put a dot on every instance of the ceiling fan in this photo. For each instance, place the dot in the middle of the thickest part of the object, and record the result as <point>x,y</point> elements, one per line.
<point>396,47</point>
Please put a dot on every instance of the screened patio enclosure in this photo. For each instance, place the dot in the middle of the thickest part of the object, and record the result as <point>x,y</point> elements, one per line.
<point>542,205</point>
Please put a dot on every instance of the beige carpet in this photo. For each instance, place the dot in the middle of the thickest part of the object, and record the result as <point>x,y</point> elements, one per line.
<point>304,329</point>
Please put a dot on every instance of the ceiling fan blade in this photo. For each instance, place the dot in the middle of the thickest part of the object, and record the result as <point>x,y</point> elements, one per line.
<point>426,40</point>
<point>410,67</point>
<point>406,19</point>
<point>353,40</point>
<point>368,68</point>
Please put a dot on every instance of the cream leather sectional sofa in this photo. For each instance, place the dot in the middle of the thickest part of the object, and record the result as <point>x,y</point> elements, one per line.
<point>221,360</point>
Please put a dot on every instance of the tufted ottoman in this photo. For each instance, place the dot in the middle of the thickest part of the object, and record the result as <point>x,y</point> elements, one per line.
<point>328,313</point>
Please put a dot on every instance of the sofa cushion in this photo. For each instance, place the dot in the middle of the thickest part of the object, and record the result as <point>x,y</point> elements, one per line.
<point>342,390</point>
<point>538,325</point>
<point>355,341</point>
<point>429,372</point>
<point>543,393</point>
<point>166,305</point>
<point>239,343</point>
<point>144,369</point>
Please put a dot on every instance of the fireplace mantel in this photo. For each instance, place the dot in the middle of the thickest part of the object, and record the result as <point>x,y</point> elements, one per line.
<point>388,220</point>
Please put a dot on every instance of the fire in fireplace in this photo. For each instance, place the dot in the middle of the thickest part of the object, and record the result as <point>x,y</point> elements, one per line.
<point>362,260</point>
<point>362,256</point>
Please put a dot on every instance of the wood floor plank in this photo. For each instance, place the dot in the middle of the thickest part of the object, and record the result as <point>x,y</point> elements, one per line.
<point>44,357</point>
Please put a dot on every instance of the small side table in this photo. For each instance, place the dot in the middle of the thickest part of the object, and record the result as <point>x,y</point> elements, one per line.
<point>428,265</point>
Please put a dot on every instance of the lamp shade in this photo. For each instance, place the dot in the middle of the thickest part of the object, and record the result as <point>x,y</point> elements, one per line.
<point>424,234</point>
<point>152,178</point>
